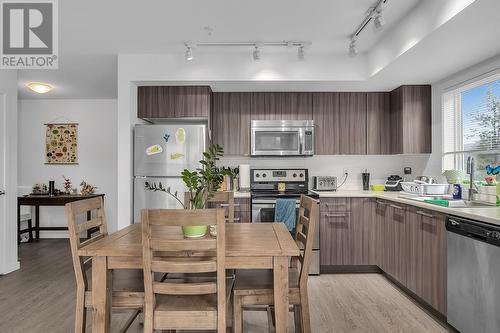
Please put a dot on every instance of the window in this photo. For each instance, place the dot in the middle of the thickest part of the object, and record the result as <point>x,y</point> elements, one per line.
<point>471,123</point>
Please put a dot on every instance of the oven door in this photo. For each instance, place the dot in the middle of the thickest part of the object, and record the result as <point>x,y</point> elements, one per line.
<point>263,210</point>
<point>277,141</point>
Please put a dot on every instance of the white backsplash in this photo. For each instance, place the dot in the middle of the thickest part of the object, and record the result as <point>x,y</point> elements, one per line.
<point>379,166</point>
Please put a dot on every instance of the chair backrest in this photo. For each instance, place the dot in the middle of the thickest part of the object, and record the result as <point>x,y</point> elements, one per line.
<point>221,199</point>
<point>77,213</point>
<point>166,250</point>
<point>304,235</point>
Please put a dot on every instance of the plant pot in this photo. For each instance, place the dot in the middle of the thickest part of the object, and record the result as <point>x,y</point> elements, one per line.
<point>193,231</point>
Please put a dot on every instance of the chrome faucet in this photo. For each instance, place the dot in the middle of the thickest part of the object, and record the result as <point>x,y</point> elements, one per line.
<point>470,171</point>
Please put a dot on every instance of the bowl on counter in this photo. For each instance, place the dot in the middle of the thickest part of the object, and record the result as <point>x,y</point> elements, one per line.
<point>378,187</point>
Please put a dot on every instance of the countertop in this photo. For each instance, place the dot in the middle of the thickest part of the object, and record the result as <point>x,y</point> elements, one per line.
<point>484,214</point>
<point>238,194</point>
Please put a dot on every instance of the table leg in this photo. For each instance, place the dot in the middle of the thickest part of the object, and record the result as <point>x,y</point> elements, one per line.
<point>37,222</point>
<point>280,273</point>
<point>101,294</point>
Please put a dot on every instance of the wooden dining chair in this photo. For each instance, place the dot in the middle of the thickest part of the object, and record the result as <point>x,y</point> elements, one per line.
<point>255,287</point>
<point>220,199</point>
<point>128,285</point>
<point>187,303</point>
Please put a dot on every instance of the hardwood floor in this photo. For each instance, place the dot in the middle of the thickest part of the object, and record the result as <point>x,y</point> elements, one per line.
<point>40,298</point>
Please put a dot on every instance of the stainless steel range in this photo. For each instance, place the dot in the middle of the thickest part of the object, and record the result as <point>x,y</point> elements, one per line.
<point>267,185</point>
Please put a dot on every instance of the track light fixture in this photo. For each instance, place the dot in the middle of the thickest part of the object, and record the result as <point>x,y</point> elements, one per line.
<point>375,14</point>
<point>379,20</point>
<point>353,47</point>
<point>189,53</point>
<point>257,47</point>
<point>301,53</point>
<point>256,53</point>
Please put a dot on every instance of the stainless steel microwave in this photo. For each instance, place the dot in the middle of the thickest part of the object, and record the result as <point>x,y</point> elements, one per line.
<point>282,138</point>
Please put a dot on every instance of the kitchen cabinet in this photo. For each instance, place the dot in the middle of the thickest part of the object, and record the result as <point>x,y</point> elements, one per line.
<point>326,116</point>
<point>427,257</point>
<point>352,120</point>
<point>242,212</point>
<point>406,242</point>
<point>230,120</point>
<point>378,122</point>
<point>335,232</point>
<point>363,232</point>
<point>281,106</point>
<point>347,232</point>
<point>396,230</point>
<point>173,102</point>
<point>434,259</point>
<point>411,120</point>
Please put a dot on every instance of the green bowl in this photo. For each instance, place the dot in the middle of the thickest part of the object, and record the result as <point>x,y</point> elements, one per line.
<point>193,231</point>
<point>378,187</point>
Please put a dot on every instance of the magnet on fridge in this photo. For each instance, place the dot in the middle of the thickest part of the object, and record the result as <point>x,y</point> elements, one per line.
<point>176,156</point>
<point>166,137</point>
<point>153,150</point>
<point>180,136</point>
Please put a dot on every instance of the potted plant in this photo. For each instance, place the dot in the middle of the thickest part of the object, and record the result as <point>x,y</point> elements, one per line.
<point>201,184</point>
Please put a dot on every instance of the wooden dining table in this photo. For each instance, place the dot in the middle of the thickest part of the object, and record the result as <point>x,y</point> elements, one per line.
<point>248,246</point>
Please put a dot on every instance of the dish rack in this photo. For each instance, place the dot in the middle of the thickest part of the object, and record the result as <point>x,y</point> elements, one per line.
<point>425,189</point>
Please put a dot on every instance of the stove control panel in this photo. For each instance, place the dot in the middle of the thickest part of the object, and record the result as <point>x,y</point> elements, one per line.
<point>278,175</point>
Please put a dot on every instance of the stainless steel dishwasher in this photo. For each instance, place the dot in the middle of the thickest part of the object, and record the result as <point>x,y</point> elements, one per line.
<point>473,276</point>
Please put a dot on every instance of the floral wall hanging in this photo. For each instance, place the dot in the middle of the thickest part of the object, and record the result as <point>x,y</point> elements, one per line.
<point>61,143</point>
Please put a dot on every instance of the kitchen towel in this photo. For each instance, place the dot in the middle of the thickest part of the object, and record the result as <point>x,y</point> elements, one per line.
<point>284,211</point>
<point>244,177</point>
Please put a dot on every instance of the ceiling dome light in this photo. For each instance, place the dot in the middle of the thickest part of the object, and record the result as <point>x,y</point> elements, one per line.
<point>256,53</point>
<point>189,53</point>
<point>301,52</point>
<point>353,47</point>
<point>40,87</point>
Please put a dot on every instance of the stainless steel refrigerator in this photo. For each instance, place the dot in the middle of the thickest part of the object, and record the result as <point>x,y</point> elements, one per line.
<point>161,153</point>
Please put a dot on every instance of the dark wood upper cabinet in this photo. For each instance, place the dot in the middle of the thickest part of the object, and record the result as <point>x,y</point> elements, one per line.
<point>352,123</point>
<point>281,106</point>
<point>174,102</point>
<point>411,120</point>
<point>326,116</point>
<point>378,122</point>
<point>231,122</point>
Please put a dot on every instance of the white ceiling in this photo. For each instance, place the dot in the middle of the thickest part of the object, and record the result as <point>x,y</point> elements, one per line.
<point>92,34</point>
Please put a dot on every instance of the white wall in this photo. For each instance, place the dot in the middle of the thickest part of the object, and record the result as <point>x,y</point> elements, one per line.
<point>432,165</point>
<point>8,230</point>
<point>97,135</point>
<point>379,166</point>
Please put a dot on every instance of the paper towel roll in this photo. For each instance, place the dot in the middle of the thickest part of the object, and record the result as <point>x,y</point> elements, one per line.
<point>244,177</point>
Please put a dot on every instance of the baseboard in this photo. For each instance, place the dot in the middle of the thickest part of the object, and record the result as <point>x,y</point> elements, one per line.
<point>333,269</point>
<point>54,234</point>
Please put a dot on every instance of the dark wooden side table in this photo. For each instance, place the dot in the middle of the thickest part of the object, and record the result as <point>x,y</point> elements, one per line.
<point>46,200</point>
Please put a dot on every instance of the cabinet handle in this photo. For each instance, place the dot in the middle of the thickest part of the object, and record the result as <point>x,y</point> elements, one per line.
<point>380,202</point>
<point>419,212</point>
<point>336,215</point>
<point>395,206</point>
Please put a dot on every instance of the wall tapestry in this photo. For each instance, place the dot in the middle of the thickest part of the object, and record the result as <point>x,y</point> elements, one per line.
<point>61,143</point>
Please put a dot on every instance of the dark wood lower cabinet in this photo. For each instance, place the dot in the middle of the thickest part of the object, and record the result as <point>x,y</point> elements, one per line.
<point>406,242</point>
<point>242,212</point>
